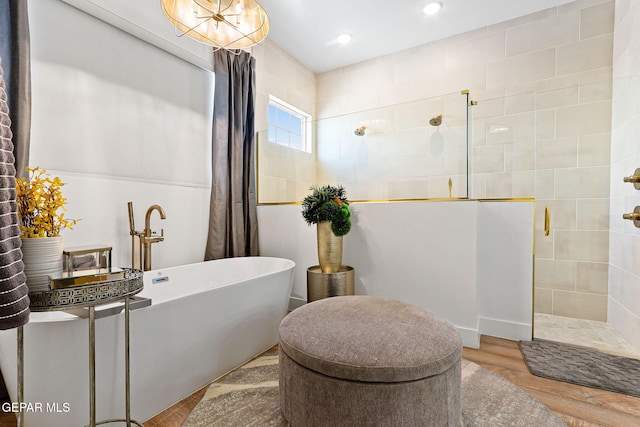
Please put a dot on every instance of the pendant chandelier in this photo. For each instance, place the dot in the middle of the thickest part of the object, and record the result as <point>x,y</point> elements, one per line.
<point>223,24</point>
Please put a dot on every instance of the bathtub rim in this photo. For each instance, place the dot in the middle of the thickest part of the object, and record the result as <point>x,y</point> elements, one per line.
<point>64,316</point>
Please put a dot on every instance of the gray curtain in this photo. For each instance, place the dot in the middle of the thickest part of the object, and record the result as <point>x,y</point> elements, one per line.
<point>233,222</point>
<point>14,298</point>
<point>15,53</point>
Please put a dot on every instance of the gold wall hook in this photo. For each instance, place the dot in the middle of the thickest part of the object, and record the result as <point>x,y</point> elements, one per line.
<point>635,179</point>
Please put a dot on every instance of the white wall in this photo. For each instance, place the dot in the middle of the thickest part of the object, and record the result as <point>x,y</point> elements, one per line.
<point>120,120</point>
<point>469,262</point>
<point>504,273</point>
<point>145,19</point>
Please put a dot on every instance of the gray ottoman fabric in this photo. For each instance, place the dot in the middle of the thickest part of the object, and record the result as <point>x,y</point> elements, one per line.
<point>368,361</point>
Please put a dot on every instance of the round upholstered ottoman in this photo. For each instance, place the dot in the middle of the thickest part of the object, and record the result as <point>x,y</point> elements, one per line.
<point>368,361</point>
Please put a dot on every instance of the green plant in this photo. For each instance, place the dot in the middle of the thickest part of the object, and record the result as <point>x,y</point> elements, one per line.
<point>328,203</point>
<point>39,198</point>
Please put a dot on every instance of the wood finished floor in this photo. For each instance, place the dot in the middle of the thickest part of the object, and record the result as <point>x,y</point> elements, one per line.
<point>578,406</point>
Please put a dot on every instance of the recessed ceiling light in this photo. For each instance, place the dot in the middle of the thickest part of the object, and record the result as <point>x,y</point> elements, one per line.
<point>344,38</point>
<point>432,8</point>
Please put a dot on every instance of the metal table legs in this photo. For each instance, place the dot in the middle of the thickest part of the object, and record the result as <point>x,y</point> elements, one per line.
<point>92,371</point>
<point>20,333</point>
<point>92,366</point>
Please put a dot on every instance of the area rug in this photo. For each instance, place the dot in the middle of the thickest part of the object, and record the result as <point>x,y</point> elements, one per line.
<point>582,366</point>
<point>248,397</point>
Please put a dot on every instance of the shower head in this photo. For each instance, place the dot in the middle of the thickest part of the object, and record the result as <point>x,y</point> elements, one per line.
<point>436,121</point>
<point>360,131</point>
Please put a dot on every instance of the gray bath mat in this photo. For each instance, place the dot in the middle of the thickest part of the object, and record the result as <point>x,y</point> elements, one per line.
<point>249,397</point>
<point>582,366</point>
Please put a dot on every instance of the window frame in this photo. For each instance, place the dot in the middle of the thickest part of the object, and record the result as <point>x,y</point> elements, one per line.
<point>306,142</point>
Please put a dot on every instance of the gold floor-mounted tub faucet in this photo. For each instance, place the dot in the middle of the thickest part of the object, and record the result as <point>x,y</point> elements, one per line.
<point>141,241</point>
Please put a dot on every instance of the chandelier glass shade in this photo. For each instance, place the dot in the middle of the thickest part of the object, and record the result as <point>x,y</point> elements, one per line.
<point>226,24</point>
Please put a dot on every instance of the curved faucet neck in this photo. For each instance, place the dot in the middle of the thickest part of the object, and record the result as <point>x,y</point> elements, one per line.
<point>147,218</point>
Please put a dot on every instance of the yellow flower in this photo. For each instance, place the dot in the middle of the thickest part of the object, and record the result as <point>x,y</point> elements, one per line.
<point>39,198</point>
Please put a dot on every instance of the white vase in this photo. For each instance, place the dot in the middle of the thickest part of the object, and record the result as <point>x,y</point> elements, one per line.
<point>42,257</point>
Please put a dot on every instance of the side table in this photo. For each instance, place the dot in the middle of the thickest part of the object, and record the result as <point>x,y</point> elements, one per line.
<point>323,285</point>
<point>79,299</point>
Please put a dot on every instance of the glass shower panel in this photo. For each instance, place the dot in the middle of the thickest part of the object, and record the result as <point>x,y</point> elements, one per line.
<point>404,151</point>
<point>413,150</point>
<point>503,148</point>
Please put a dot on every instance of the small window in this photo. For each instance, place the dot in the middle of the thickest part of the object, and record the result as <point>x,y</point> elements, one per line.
<point>289,126</point>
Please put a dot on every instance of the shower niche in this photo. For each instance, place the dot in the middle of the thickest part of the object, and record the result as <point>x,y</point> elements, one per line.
<point>412,150</point>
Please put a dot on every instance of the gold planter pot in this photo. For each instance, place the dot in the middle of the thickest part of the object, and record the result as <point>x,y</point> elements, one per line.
<point>324,285</point>
<point>329,248</point>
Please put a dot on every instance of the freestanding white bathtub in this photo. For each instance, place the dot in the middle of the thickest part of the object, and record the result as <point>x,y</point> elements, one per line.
<point>205,319</point>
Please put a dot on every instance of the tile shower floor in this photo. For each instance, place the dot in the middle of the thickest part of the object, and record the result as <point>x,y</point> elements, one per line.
<point>587,333</point>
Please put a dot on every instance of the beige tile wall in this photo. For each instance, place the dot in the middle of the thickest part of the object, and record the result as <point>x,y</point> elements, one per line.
<point>284,174</point>
<point>401,155</point>
<point>547,79</point>
<point>624,254</point>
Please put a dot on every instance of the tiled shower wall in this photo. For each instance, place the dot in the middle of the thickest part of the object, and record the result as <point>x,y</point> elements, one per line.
<point>400,155</point>
<point>624,270</point>
<point>284,175</point>
<point>541,129</point>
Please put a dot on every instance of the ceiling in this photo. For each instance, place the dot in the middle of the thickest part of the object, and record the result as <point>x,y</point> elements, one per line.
<point>308,30</point>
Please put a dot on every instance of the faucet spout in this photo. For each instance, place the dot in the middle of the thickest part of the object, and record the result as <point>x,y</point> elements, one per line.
<point>147,218</point>
<point>148,237</point>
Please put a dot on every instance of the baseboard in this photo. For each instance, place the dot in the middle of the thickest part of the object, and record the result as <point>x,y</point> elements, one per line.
<point>469,337</point>
<point>505,329</point>
<point>296,303</point>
